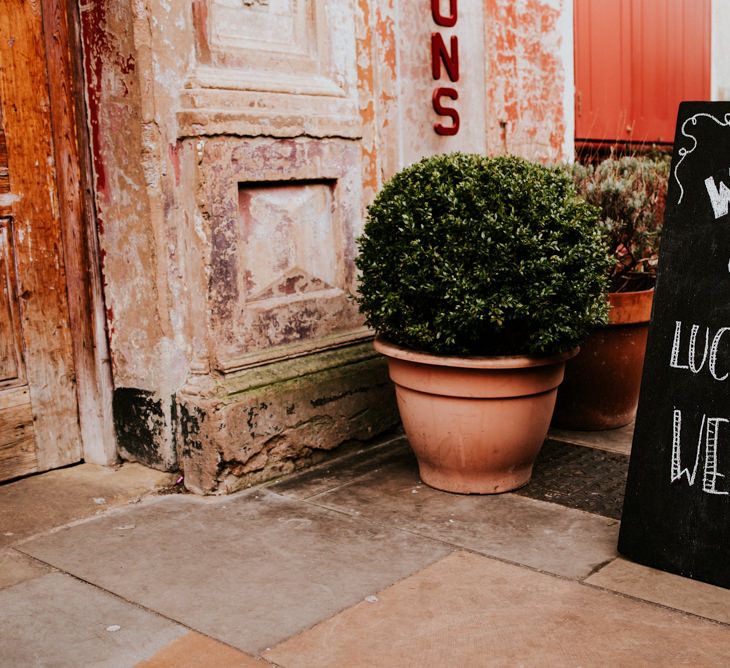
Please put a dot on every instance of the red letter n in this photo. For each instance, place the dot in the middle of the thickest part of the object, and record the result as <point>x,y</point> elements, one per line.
<point>439,55</point>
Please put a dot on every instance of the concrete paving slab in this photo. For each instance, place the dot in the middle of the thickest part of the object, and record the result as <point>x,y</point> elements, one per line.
<point>344,471</point>
<point>468,610</point>
<point>16,567</point>
<point>194,650</point>
<point>540,535</point>
<point>614,440</point>
<point>667,589</point>
<point>39,503</point>
<point>249,570</point>
<point>56,620</point>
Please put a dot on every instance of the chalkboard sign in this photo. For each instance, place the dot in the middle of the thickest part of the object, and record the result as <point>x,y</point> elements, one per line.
<point>676,513</point>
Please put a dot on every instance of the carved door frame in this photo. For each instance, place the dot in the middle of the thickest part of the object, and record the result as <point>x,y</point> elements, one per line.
<point>87,314</point>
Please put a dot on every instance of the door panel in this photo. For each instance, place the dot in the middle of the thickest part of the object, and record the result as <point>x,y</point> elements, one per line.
<point>38,407</point>
<point>10,362</point>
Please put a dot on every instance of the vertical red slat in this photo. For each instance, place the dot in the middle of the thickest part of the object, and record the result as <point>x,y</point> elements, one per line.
<point>635,60</point>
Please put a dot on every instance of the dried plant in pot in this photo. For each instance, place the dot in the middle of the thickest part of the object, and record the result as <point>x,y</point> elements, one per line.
<point>601,386</point>
<point>480,276</point>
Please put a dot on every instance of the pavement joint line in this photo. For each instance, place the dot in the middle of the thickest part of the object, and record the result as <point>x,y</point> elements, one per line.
<point>593,446</point>
<point>456,547</point>
<point>600,567</point>
<point>313,499</point>
<point>12,548</point>
<point>656,604</point>
<point>107,512</point>
<point>330,489</point>
<point>375,450</point>
<point>144,608</point>
<point>360,602</point>
<point>148,500</point>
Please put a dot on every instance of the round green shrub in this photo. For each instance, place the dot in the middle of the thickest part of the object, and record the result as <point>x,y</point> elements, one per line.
<point>467,255</point>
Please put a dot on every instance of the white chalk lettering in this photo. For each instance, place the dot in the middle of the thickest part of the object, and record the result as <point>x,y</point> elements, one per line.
<point>692,345</point>
<point>709,352</point>
<point>709,436</point>
<point>677,470</point>
<point>709,479</point>
<point>713,353</point>
<point>720,199</point>
<point>674,359</point>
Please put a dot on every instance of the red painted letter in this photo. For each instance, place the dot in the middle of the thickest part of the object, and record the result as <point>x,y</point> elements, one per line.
<point>445,21</point>
<point>439,55</point>
<point>445,111</point>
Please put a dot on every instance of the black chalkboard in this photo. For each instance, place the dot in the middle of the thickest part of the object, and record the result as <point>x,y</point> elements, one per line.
<point>676,513</point>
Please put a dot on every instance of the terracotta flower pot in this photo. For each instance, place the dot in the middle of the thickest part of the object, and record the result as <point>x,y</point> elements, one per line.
<point>476,425</point>
<point>601,386</point>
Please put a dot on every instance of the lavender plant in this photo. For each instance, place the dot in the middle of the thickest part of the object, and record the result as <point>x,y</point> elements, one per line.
<point>630,193</point>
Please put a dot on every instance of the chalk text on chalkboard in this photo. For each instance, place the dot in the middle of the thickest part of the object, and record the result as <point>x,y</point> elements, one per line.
<point>710,433</point>
<point>719,198</point>
<point>691,357</point>
<point>683,152</point>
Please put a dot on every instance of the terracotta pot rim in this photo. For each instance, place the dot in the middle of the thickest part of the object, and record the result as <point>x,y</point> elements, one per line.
<point>629,293</point>
<point>497,362</point>
<point>630,308</point>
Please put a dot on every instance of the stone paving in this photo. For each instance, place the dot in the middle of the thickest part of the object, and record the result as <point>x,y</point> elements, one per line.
<point>354,563</point>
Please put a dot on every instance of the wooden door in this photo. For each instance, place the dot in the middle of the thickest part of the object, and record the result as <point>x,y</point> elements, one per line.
<point>635,61</point>
<point>39,427</point>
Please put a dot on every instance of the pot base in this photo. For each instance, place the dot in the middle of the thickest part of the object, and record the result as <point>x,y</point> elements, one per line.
<point>463,483</point>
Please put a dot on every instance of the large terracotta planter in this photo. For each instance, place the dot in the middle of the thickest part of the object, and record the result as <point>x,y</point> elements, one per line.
<point>601,386</point>
<point>476,425</point>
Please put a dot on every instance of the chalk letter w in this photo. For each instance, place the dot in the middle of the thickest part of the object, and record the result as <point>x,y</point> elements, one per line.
<point>718,198</point>
<point>678,472</point>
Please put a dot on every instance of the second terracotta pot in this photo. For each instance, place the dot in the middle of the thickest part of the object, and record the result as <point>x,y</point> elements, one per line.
<point>476,425</point>
<point>601,385</point>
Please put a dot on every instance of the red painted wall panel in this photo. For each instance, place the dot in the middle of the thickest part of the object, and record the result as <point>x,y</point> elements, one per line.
<point>635,60</point>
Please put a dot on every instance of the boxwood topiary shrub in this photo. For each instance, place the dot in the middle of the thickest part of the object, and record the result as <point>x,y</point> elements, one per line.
<point>467,255</point>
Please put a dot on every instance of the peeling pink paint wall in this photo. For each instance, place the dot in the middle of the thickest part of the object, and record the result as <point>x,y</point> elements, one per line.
<point>529,54</point>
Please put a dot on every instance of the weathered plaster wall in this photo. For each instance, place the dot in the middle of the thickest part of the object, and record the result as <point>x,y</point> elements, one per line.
<point>236,146</point>
<point>229,191</point>
<point>125,171</point>
<point>529,108</point>
<point>134,53</point>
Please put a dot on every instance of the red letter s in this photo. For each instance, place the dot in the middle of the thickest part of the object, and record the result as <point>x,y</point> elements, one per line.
<point>445,111</point>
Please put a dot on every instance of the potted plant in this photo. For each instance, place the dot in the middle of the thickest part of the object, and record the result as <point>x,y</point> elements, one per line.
<point>601,385</point>
<point>480,276</point>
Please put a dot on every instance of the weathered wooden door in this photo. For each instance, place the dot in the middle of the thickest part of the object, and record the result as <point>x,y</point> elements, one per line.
<point>39,426</point>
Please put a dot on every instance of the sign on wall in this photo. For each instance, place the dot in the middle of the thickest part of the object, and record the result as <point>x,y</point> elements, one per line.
<point>676,513</point>
<point>445,60</point>
<point>441,80</point>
